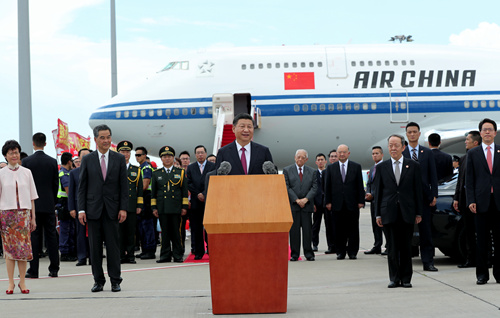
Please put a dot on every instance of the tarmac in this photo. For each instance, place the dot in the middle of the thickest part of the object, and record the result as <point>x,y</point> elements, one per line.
<point>326,287</point>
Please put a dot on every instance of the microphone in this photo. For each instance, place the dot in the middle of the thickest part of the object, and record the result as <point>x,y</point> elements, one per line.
<point>224,169</point>
<point>269,168</point>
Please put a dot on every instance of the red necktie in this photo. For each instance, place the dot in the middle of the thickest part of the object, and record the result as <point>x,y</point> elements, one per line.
<point>300,173</point>
<point>103,167</point>
<point>489,159</point>
<point>244,160</point>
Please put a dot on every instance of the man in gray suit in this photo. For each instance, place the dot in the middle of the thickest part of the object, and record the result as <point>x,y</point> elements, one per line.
<point>301,185</point>
<point>102,202</point>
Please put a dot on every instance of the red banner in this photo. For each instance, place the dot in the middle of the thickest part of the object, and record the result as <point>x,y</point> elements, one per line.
<point>300,80</point>
<point>62,135</point>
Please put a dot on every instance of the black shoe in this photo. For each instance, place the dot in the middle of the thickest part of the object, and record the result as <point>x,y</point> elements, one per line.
<point>198,257</point>
<point>115,288</point>
<point>393,284</point>
<point>340,256</point>
<point>29,275</point>
<point>294,259</point>
<point>315,248</point>
<point>148,256</point>
<point>384,252</point>
<point>165,260</point>
<point>138,255</point>
<point>97,288</point>
<point>373,251</point>
<point>53,274</point>
<point>481,281</point>
<point>407,285</point>
<point>81,263</point>
<point>128,261</point>
<point>467,264</point>
<point>312,259</point>
<point>178,260</point>
<point>330,251</point>
<point>430,268</point>
<point>353,257</point>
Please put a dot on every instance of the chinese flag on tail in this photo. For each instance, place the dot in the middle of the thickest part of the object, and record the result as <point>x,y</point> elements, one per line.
<point>299,80</point>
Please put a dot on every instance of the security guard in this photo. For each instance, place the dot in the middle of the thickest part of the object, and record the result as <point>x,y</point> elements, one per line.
<point>67,225</point>
<point>135,202</point>
<point>169,200</point>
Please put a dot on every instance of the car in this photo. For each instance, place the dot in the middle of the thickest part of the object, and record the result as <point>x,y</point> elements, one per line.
<point>448,229</point>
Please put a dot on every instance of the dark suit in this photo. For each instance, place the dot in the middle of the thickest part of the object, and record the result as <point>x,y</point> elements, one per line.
<point>196,185</point>
<point>301,216</point>
<point>469,217</point>
<point>429,192</point>
<point>483,189</point>
<point>398,206</point>
<point>345,198</point>
<point>377,230</point>
<point>82,242</point>
<point>102,200</point>
<point>322,212</point>
<point>258,155</point>
<point>46,177</point>
<point>135,200</point>
<point>444,164</point>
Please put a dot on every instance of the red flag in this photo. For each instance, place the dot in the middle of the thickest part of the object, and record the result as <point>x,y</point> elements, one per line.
<point>299,80</point>
<point>62,135</point>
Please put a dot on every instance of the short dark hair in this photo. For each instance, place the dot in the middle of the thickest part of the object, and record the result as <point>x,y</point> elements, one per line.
<point>200,146</point>
<point>403,141</point>
<point>10,145</point>
<point>23,155</point>
<point>321,155</point>
<point>378,147</point>
<point>143,149</point>
<point>211,155</point>
<point>99,128</point>
<point>487,120</point>
<point>476,136</point>
<point>334,150</point>
<point>39,139</point>
<point>83,149</point>
<point>185,152</point>
<point>412,124</point>
<point>66,157</point>
<point>242,116</point>
<point>434,140</point>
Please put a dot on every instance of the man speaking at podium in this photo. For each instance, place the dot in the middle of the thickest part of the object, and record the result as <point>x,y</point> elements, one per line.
<point>244,155</point>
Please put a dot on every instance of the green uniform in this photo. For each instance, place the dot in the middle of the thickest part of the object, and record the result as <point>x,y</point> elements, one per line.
<point>169,195</point>
<point>135,200</point>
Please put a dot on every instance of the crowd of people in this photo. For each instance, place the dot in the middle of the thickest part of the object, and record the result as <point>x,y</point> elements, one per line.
<point>102,199</point>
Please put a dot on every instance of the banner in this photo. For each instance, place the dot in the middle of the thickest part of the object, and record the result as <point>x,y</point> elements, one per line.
<point>66,141</point>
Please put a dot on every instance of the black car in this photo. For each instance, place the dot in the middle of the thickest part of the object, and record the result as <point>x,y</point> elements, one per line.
<point>448,230</point>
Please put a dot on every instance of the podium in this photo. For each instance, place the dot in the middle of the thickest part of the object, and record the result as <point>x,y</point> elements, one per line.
<point>248,218</point>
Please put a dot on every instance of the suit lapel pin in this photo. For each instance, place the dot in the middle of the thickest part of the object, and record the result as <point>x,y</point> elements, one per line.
<point>407,167</point>
<point>498,151</point>
<point>421,151</point>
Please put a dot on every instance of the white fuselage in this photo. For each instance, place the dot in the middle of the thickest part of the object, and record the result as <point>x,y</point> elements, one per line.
<point>358,96</point>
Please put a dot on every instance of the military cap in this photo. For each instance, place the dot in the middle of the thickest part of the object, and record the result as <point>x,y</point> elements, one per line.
<point>167,150</point>
<point>124,145</point>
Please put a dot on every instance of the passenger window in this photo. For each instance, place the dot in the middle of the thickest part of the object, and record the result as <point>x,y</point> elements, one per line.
<point>269,65</point>
<point>243,67</point>
<point>277,65</point>
<point>362,63</point>
<point>353,63</point>
<point>302,64</point>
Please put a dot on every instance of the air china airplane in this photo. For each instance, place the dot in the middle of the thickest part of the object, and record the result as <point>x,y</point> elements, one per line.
<point>311,97</point>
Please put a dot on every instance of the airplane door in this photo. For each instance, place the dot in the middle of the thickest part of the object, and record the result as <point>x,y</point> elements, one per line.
<point>398,105</point>
<point>336,63</point>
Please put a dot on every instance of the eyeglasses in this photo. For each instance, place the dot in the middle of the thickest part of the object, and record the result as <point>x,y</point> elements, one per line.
<point>139,154</point>
<point>488,129</point>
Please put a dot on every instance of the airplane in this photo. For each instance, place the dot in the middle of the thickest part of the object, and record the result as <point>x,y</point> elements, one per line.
<point>312,97</point>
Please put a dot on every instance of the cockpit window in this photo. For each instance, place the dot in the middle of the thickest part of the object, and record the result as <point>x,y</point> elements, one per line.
<point>178,65</point>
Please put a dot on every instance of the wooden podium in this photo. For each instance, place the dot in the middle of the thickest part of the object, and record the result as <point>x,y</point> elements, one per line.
<point>247,219</point>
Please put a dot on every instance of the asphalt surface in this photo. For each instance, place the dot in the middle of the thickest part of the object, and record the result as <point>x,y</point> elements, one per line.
<point>325,288</point>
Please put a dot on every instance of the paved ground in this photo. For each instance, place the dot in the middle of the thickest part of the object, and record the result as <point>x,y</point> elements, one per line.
<point>324,288</point>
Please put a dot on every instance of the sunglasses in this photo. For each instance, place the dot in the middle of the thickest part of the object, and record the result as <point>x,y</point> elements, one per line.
<point>139,154</point>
